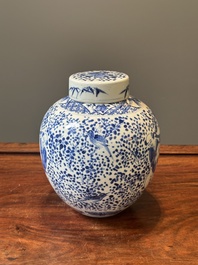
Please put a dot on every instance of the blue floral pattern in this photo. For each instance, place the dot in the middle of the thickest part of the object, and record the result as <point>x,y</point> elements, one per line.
<point>99,157</point>
<point>126,106</point>
<point>99,76</point>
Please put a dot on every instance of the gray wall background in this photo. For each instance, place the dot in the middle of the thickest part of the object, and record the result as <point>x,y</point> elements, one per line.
<point>155,42</point>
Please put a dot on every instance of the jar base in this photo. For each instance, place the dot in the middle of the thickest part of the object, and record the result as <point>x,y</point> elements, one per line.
<point>100,214</point>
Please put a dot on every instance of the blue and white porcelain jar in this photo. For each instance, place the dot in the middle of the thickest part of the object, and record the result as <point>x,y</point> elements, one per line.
<point>99,146</point>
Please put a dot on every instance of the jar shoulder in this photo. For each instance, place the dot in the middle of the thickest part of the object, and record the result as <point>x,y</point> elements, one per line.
<point>132,112</point>
<point>130,106</point>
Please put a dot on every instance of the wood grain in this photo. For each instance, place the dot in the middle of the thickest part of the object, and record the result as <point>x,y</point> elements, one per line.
<point>36,227</point>
<point>19,148</point>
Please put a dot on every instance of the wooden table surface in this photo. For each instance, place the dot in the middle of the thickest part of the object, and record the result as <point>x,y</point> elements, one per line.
<point>36,227</point>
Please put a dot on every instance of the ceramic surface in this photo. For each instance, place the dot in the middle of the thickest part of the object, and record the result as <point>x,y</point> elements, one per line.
<point>99,157</point>
<point>99,86</point>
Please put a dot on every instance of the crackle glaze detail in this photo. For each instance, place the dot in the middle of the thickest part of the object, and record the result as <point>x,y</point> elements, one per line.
<point>99,157</point>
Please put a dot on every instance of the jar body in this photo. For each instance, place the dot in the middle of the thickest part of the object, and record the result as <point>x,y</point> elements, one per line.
<point>99,157</point>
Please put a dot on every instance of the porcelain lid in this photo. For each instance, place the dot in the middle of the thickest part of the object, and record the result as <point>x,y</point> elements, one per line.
<point>99,86</point>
